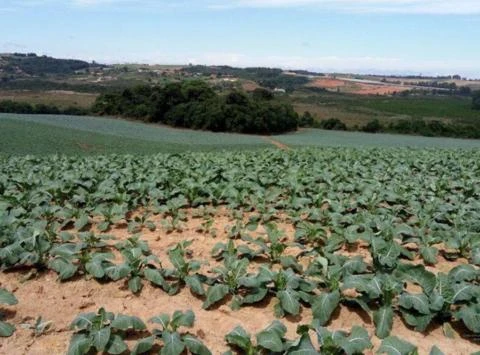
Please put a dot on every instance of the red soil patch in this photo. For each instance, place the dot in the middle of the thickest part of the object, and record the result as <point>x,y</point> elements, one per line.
<point>327,83</point>
<point>250,85</point>
<point>366,89</point>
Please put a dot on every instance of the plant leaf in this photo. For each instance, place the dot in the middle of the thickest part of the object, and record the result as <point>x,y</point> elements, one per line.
<point>357,342</point>
<point>100,338</point>
<point>183,319</point>
<point>239,337</point>
<point>195,346</point>
<point>116,345</point>
<point>172,344</point>
<point>143,345</point>
<point>195,285</point>
<point>324,306</point>
<point>383,319</point>
<point>124,322</point>
<point>395,346</point>
<point>6,329</point>
<point>289,301</point>
<point>7,298</point>
<point>215,294</point>
<point>417,301</point>
<point>79,345</point>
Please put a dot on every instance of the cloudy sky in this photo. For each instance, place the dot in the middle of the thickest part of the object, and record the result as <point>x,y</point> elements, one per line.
<point>368,36</point>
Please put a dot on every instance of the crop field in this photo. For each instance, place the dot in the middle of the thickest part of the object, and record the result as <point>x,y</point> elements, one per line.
<point>305,251</point>
<point>323,138</point>
<point>79,135</point>
<point>50,134</point>
<point>357,110</point>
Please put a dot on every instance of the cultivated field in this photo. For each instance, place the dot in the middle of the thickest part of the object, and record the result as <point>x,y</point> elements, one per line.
<point>381,246</point>
<point>44,134</point>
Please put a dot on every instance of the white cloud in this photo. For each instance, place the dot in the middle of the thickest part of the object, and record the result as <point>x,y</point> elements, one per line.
<point>376,6</point>
<point>441,7</point>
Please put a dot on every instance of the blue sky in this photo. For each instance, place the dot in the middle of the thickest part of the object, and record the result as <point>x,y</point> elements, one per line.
<point>380,36</point>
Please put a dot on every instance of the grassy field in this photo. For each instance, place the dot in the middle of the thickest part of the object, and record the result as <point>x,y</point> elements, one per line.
<point>61,99</point>
<point>357,110</point>
<point>44,134</point>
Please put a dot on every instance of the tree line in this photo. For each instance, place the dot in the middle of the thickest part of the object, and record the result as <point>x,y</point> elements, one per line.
<point>194,104</point>
<point>9,106</point>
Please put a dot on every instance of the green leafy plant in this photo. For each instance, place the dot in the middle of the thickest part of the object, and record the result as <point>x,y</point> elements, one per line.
<point>89,257</point>
<point>102,331</point>
<point>273,246</point>
<point>174,342</point>
<point>357,341</point>
<point>137,265</point>
<point>9,299</point>
<point>142,221</point>
<point>184,271</point>
<point>227,282</point>
<point>287,287</point>
<point>40,327</point>
<point>270,340</point>
<point>111,214</point>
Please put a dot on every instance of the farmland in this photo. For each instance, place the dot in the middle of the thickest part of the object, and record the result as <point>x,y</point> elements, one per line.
<point>272,250</point>
<point>44,134</point>
<point>356,110</point>
<point>74,135</point>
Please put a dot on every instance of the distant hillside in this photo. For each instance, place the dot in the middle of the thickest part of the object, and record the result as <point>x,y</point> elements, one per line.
<point>20,64</point>
<point>267,77</point>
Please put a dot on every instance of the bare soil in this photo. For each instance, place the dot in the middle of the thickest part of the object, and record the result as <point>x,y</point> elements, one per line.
<point>60,302</point>
<point>356,87</point>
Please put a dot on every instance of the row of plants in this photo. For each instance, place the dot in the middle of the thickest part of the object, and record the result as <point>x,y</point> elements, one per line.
<point>380,288</point>
<point>105,332</point>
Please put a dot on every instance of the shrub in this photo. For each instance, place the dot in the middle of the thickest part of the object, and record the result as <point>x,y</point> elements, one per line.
<point>373,126</point>
<point>333,124</point>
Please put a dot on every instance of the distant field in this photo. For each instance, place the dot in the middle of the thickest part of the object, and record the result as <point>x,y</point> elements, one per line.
<point>357,110</point>
<point>43,134</point>
<point>322,138</point>
<point>60,99</point>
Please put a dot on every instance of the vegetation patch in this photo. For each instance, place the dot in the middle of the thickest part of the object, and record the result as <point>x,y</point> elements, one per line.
<point>194,104</point>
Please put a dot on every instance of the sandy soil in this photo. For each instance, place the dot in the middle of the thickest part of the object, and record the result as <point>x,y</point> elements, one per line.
<point>61,302</point>
<point>250,85</point>
<point>327,83</point>
<point>366,89</point>
<point>277,143</point>
<point>356,87</point>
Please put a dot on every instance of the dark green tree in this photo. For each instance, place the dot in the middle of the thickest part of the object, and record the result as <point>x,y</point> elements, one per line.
<point>476,100</point>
